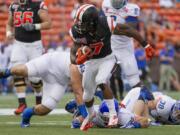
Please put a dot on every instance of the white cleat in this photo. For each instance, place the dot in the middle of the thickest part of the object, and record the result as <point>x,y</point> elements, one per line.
<point>113,121</point>
<point>87,123</point>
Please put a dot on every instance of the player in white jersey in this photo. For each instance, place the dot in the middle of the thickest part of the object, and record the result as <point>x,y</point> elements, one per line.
<point>166,110</point>
<point>53,68</point>
<point>138,100</point>
<point>123,46</point>
<point>126,119</point>
<point>163,108</point>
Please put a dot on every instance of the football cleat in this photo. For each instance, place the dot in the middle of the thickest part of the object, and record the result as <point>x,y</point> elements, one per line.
<point>25,125</point>
<point>26,117</point>
<point>113,121</point>
<point>87,123</point>
<point>20,109</point>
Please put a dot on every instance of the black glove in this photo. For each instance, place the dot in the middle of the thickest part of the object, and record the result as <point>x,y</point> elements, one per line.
<point>29,26</point>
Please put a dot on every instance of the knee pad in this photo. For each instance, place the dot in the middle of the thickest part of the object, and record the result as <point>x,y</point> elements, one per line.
<point>88,96</point>
<point>19,81</point>
<point>145,95</point>
<point>50,103</point>
<point>133,79</point>
<point>37,85</point>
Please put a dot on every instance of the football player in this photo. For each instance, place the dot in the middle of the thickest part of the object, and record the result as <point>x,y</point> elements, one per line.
<point>53,68</point>
<point>166,109</point>
<point>91,34</point>
<point>126,13</point>
<point>26,20</point>
<point>139,101</point>
<point>162,108</point>
<point>126,119</point>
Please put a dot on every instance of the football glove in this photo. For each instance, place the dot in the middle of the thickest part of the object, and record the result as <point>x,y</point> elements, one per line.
<point>29,26</point>
<point>83,54</point>
<point>150,51</point>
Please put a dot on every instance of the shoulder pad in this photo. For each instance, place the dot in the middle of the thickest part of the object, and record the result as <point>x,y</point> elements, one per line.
<point>43,5</point>
<point>132,10</point>
<point>13,6</point>
<point>106,4</point>
<point>39,5</point>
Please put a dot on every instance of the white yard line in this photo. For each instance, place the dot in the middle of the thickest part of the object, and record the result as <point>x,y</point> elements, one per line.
<point>10,111</point>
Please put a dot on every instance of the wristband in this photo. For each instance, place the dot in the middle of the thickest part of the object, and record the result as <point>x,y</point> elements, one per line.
<point>38,26</point>
<point>9,33</point>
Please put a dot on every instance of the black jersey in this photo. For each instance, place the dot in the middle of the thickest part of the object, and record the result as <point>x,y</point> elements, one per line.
<point>100,42</point>
<point>26,14</point>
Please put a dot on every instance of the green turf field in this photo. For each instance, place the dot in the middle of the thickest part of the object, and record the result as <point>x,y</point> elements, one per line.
<point>60,124</point>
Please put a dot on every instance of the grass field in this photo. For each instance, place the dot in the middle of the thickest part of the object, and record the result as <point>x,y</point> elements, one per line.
<point>60,124</point>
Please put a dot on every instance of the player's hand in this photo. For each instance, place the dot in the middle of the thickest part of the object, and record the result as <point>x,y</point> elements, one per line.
<point>29,26</point>
<point>9,35</point>
<point>4,73</point>
<point>150,52</point>
<point>83,54</point>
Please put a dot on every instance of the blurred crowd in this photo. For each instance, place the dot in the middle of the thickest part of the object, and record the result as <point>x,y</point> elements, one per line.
<point>151,25</point>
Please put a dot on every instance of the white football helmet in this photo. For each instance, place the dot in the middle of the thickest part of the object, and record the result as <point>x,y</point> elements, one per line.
<point>118,4</point>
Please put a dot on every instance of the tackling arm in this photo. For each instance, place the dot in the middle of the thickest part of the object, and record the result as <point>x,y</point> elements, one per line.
<point>125,29</point>
<point>73,51</point>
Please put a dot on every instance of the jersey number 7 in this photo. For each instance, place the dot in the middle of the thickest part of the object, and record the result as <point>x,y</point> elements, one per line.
<point>96,47</point>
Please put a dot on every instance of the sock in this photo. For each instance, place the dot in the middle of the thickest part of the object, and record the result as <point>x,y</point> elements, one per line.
<point>38,97</point>
<point>27,114</point>
<point>82,110</point>
<point>90,110</point>
<point>22,101</point>
<point>111,106</point>
<point>21,98</point>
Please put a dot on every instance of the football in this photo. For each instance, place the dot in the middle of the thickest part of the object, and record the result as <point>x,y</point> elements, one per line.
<point>86,50</point>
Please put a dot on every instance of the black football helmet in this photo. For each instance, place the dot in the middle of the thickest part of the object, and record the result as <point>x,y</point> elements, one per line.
<point>86,19</point>
<point>23,2</point>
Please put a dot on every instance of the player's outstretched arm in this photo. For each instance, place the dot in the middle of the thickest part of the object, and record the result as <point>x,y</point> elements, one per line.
<point>19,70</point>
<point>125,29</point>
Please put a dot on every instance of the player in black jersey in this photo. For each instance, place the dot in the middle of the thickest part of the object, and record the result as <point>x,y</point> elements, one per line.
<point>26,20</point>
<point>91,34</point>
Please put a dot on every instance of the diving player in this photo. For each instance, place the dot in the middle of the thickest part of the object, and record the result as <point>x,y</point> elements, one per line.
<point>26,20</point>
<point>162,108</point>
<point>53,68</point>
<point>126,119</point>
<point>91,34</point>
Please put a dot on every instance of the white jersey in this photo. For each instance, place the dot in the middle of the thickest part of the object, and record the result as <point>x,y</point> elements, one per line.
<point>53,68</point>
<point>119,16</point>
<point>55,64</point>
<point>163,108</point>
<point>124,117</point>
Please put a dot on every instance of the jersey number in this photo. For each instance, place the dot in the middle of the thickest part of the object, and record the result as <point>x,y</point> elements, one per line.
<point>97,47</point>
<point>161,104</point>
<point>22,17</point>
